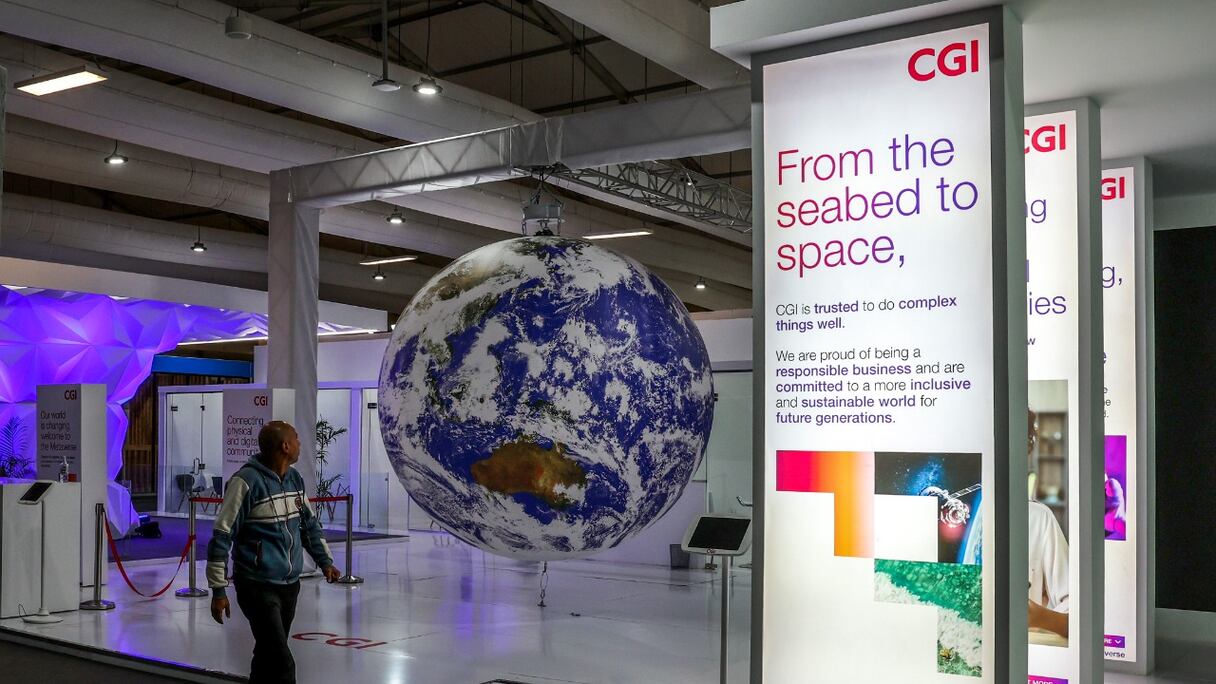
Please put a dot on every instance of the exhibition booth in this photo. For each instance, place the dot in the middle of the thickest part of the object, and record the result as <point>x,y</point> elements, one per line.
<point>531,451</point>
<point>355,460</point>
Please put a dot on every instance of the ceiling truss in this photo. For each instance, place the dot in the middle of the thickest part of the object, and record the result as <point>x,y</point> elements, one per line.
<point>670,188</point>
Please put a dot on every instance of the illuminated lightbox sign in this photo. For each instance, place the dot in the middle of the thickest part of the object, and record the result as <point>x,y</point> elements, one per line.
<point>879,363</point>
<point>245,412</point>
<point>1053,417</point>
<point>1120,397</point>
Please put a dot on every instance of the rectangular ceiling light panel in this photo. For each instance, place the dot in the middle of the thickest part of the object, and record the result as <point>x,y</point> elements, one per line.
<point>82,75</point>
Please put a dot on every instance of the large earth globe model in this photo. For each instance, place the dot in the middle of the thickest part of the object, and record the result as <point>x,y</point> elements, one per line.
<point>545,398</point>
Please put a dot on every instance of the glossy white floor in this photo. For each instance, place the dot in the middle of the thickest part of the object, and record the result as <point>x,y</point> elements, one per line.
<point>440,612</point>
<point>434,611</point>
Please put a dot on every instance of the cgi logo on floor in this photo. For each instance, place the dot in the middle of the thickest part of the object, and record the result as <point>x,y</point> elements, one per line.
<point>336,640</point>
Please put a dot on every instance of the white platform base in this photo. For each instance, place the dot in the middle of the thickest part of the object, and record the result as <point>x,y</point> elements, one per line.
<point>42,617</point>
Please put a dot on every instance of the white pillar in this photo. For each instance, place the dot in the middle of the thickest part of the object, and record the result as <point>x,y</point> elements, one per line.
<point>294,268</point>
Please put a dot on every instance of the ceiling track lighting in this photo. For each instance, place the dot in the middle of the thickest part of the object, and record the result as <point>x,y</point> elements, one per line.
<point>384,84</point>
<point>114,158</point>
<point>85,74</point>
<point>618,234</point>
<point>387,260</point>
<point>396,218</point>
<point>701,284</point>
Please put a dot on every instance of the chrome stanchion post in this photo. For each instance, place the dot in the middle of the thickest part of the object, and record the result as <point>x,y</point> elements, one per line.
<point>98,603</point>
<point>192,591</point>
<point>350,577</point>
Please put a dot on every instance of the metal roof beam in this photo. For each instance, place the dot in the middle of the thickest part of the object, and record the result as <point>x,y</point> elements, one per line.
<point>593,64</point>
<point>518,57</point>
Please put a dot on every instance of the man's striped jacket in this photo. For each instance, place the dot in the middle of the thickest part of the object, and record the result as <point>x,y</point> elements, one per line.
<point>267,523</point>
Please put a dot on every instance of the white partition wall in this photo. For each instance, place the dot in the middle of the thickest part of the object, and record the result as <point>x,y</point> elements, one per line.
<point>1127,282</point>
<point>72,446</point>
<point>1064,364</point>
<point>385,505</point>
<point>891,356</point>
<point>191,446</point>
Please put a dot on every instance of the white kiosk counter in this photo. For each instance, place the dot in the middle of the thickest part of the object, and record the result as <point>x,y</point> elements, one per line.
<point>21,538</point>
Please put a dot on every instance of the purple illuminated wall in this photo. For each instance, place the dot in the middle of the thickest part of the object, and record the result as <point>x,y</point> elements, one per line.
<point>51,337</point>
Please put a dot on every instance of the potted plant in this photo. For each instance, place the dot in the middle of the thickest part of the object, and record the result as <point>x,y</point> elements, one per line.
<point>326,435</point>
<point>14,441</point>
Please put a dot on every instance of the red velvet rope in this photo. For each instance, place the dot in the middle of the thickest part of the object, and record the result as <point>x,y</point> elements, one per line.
<point>317,499</point>
<point>127,579</point>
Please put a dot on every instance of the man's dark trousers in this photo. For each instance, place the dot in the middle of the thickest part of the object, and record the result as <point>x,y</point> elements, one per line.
<point>270,608</point>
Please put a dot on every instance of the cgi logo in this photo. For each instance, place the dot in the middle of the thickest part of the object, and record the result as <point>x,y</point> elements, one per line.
<point>1046,138</point>
<point>261,400</point>
<point>339,641</point>
<point>71,395</point>
<point>955,59</point>
<point>1114,188</point>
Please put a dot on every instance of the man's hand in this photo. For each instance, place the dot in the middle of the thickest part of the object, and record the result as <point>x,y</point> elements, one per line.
<point>220,609</point>
<point>332,573</point>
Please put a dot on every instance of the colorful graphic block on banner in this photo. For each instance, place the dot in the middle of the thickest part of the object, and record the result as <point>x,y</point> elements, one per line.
<point>956,591</point>
<point>849,475</point>
<point>954,584</point>
<point>954,479</point>
<point>1115,516</point>
<point>855,477</point>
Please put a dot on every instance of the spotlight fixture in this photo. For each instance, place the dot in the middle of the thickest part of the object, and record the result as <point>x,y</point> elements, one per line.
<point>618,234</point>
<point>701,284</point>
<point>386,85</point>
<point>114,158</point>
<point>688,180</point>
<point>238,26</point>
<point>379,275</point>
<point>198,245</point>
<point>427,86</point>
<point>75,77</point>
<point>396,218</point>
<point>387,260</point>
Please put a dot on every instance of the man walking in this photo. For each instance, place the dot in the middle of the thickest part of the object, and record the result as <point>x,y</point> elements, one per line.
<point>267,523</point>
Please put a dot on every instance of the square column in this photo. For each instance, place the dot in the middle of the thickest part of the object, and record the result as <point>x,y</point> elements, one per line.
<point>294,268</point>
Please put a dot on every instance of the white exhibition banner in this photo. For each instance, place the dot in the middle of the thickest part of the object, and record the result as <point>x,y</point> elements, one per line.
<point>245,412</point>
<point>1054,416</point>
<point>72,446</point>
<point>879,363</point>
<point>1120,409</point>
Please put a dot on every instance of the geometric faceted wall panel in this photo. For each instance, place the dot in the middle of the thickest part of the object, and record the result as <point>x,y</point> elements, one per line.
<point>54,337</point>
